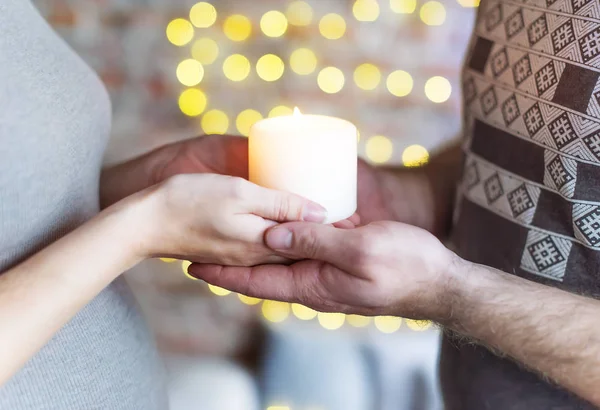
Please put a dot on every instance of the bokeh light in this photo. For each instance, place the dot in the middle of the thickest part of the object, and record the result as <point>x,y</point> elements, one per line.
<point>332,26</point>
<point>418,325</point>
<point>237,27</point>
<point>303,61</point>
<point>218,291</point>
<point>275,311</point>
<point>433,13</point>
<point>331,80</point>
<point>246,119</point>
<point>367,76</point>
<point>270,67</point>
<point>236,67</point>
<point>438,89</point>
<point>273,23</point>
<point>168,260</point>
<point>247,300</point>
<point>379,149</point>
<point>184,267</point>
<point>203,15</point>
<point>205,50</point>
<point>190,72</point>
<point>278,408</point>
<point>469,3</point>
<point>331,321</point>
<point>358,321</point>
<point>403,6</point>
<point>415,156</point>
<point>180,32</point>
<point>299,13</point>
<point>214,122</point>
<point>280,111</point>
<point>366,10</point>
<point>388,324</point>
<point>192,102</point>
<point>302,312</point>
<point>399,83</point>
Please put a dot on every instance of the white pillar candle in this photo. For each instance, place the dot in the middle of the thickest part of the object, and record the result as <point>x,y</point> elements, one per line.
<point>310,155</point>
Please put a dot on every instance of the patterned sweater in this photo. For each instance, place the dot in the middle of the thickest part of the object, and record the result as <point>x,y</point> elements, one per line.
<point>529,202</point>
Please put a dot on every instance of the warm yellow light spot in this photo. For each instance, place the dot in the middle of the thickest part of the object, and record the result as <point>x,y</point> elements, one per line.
<point>357,135</point>
<point>280,111</point>
<point>299,13</point>
<point>403,6</point>
<point>192,102</point>
<point>184,267</point>
<point>415,156</point>
<point>215,122</point>
<point>205,50</point>
<point>379,149</point>
<point>331,80</point>
<point>278,408</point>
<point>388,324</point>
<point>358,321</point>
<point>237,27</point>
<point>275,311</point>
<point>247,300</point>
<point>367,76</point>
<point>297,112</point>
<point>418,325</point>
<point>203,15</point>
<point>332,26</point>
<point>273,23</point>
<point>469,3</point>
<point>270,67</point>
<point>190,72</point>
<point>246,119</point>
<point>218,291</point>
<point>236,67</point>
<point>302,312</point>
<point>399,83</point>
<point>168,260</point>
<point>366,10</point>
<point>438,89</point>
<point>303,61</point>
<point>331,321</point>
<point>180,32</point>
<point>433,13</point>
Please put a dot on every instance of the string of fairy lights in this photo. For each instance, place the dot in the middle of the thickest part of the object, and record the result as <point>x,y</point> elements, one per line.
<point>205,52</point>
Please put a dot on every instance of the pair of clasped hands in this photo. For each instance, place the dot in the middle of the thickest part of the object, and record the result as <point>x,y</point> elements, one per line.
<point>273,245</point>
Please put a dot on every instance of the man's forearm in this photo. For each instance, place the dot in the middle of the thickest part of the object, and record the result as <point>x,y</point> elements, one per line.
<point>423,196</point>
<point>550,331</point>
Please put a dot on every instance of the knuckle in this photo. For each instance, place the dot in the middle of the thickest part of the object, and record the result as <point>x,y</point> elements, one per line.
<point>281,208</point>
<point>308,241</point>
<point>239,187</point>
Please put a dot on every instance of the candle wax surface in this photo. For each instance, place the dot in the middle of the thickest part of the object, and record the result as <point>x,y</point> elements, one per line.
<point>310,155</point>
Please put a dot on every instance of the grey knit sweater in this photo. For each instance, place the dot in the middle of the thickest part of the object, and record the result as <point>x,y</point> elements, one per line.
<point>54,125</point>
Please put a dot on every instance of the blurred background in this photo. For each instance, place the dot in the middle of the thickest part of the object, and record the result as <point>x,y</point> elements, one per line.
<point>180,68</point>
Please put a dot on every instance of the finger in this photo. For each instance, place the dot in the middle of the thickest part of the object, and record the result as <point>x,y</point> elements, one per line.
<point>344,224</point>
<point>282,206</point>
<point>274,282</point>
<point>313,241</point>
<point>355,219</point>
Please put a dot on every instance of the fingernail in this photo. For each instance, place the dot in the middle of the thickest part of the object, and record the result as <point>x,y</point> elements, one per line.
<point>314,213</point>
<point>279,238</point>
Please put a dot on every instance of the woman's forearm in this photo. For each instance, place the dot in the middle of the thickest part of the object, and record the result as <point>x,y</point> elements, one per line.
<point>40,295</point>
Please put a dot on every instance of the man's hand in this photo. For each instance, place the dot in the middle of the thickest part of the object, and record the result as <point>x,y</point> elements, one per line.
<point>384,268</point>
<point>388,268</point>
<point>218,154</point>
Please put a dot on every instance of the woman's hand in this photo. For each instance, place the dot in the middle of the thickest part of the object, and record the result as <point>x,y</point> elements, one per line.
<point>209,218</point>
<point>384,268</point>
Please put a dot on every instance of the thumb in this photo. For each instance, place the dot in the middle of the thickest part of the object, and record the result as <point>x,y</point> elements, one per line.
<point>314,241</point>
